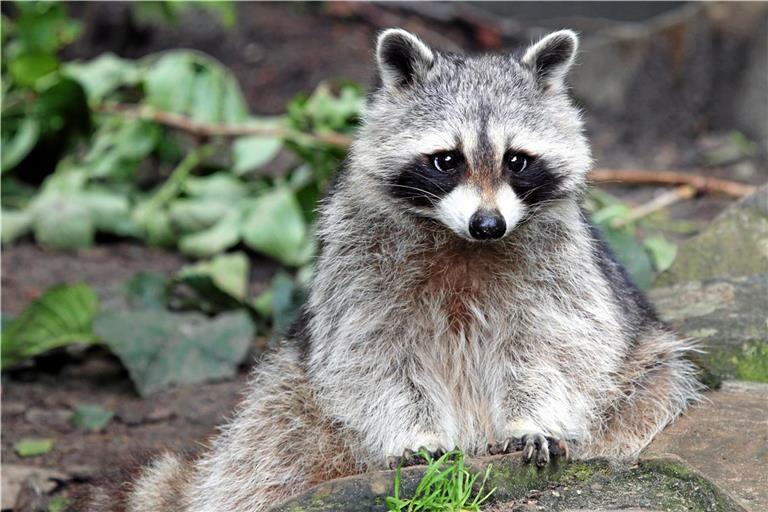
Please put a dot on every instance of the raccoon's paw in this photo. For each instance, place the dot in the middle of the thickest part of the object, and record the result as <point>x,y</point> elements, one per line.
<point>542,449</point>
<point>535,447</point>
<point>420,457</point>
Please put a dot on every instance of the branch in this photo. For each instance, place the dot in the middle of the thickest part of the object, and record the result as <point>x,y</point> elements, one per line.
<point>204,129</point>
<point>657,203</point>
<point>701,184</point>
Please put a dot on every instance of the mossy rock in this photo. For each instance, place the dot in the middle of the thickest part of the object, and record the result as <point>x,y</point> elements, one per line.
<point>728,316</point>
<point>655,484</point>
<point>734,244</point>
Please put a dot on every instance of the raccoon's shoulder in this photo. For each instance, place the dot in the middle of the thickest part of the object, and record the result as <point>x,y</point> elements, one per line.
<point>637,309</point>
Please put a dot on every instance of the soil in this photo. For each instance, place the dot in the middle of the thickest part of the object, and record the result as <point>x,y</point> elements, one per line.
<point>277,51</point>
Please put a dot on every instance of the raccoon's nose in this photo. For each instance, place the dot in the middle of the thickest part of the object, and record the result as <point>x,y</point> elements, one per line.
<point>486,225</point>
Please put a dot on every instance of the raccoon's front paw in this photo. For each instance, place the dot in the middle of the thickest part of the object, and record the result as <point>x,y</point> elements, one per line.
<point>420,457</point>
<point>535,447</point>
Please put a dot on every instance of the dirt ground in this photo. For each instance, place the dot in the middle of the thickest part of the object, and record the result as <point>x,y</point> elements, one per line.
<point>276,57</point>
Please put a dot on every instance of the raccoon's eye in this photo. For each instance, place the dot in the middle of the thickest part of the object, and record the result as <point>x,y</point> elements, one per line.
<point>446,161</point>
<point>516,162</point>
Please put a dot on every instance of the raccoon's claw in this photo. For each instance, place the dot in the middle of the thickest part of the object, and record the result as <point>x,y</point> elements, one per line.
<point>540,448</point>
<point>411,458</point>
<point>508,445</point>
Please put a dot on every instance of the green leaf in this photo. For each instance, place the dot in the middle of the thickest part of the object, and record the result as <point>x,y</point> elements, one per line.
<point>193,215</point>
<point>103,75</point>
<point>609,213</point>
<point>207,94</point>
<point>30,447</point>
<point>662,252</point>
<point>15,224</point>
<point>631,253</point>
<point>161,349</point>
<point>168,82</point>
<point>287,298</point>
<point>154,224</point>
<point>91,417</point>
<point>28,68</point>
<point>58,504</point>
<point>61,316</point>
<point>220,237</point>
<point>146,290</point>
<point>227,273</point>
<point>220,185</point>
<point>250,153</point>
<point>111,212</point>
<point>20,144</point>
<point>274,225</point>
<point>61,222</point>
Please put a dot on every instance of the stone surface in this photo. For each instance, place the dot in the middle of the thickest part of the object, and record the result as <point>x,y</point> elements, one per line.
<point>717,290</point>
<point>733,245</point>
<point>726,440</point>
<point>657,483</point>
<point>728,316</point>
<point>16,476</point>
<point>693,67</point>
<point>714,458</point>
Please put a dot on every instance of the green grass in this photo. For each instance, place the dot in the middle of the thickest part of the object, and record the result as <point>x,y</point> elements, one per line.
<point>447,486</point>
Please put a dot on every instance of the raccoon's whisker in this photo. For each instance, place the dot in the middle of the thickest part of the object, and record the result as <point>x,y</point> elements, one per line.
<point>435,184</point>
<point>426,192</point>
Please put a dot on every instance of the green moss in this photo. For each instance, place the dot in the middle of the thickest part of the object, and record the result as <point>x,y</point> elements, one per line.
<point>752,364</point>
<point>746,362</point>
<point>579,472</point>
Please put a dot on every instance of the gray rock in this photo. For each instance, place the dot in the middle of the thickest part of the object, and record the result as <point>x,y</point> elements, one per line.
<point>714,458</point>
<point>725,438</point>
<point>734,244</point>
<point>717,290</point>
<point>701,65</point>
<point>16,476</point>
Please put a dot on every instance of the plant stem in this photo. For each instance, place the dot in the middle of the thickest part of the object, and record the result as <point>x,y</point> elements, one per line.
<point>170,189</point>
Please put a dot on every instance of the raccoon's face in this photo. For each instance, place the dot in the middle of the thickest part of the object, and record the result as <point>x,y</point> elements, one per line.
<point>477,144</point>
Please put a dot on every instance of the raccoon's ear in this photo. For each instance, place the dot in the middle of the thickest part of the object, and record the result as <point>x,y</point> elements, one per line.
<point>402,57</point>
<point>552,57</point>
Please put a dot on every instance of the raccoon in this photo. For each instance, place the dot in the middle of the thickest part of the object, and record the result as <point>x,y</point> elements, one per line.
<point>460,298</point>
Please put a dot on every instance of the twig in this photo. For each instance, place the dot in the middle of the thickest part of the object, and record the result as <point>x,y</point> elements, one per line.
<point>657,203</point>
<point>204,129</point>
<point>698,182</point>
<point>701,184</point>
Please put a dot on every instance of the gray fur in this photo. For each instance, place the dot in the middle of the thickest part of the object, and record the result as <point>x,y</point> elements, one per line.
<point>416,336</point>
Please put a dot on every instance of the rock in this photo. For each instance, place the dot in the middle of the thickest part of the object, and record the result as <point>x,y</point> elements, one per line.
<point>728,317</point>
<point>659,483</point>
<point>725,439</point>
<point>703,65</point>
<point>717,290</point>
<point>16,476</point>
<point>735,244</point>
<point>55,418</point>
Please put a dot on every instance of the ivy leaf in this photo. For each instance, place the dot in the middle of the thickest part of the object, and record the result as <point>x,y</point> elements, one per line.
<point>17,146</point>
<point>33,447</point>
<point>161,349</point>
<point>250,153</point>
<point>61,222</point>
<point>91,417</point>
<point>662,252</point>
<point>631,253</point>
<point>220,237</point>
<point>226,273</point>
<point>61,316</point>
<point>274,225</point>
<point>15,224</point>
<point>146,290</point>
<point>103,75</point>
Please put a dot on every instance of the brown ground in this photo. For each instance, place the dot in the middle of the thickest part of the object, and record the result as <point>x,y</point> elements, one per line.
<point>276,54</point>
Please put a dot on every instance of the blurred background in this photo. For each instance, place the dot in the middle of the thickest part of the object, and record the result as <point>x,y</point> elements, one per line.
<point>161,162</point>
